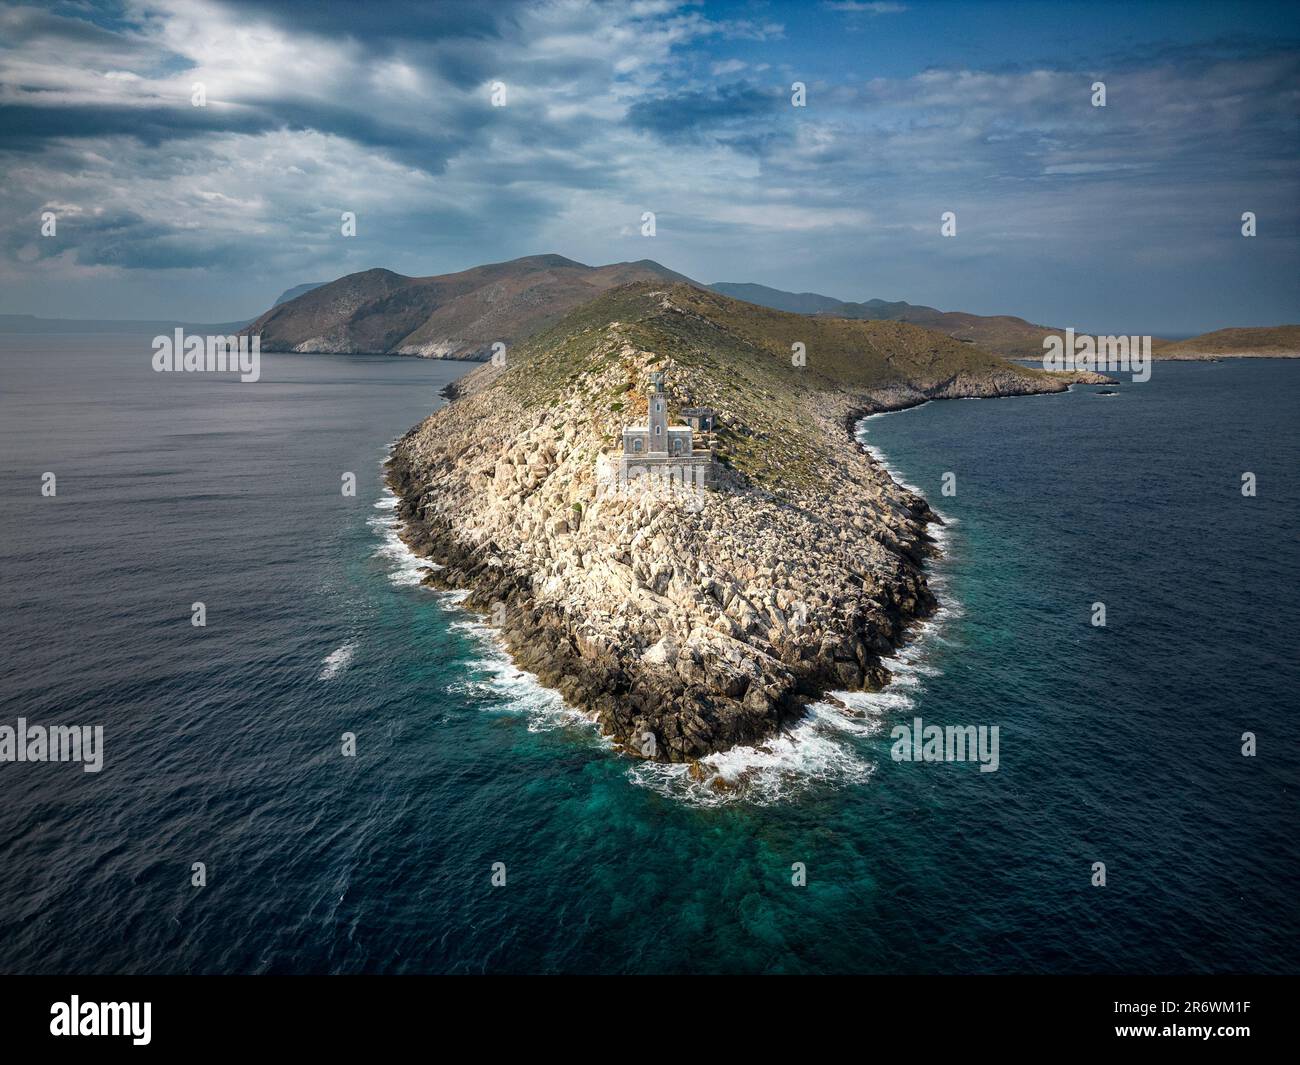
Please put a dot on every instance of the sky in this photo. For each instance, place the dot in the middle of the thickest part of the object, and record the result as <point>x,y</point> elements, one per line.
<point>1123,218</point>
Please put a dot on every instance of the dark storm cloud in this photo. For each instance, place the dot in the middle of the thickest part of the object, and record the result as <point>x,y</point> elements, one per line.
<point>426,149</point>
<point>457,48</point>
<point>725,112</point>
<point>133,241</point>
<point>26,127</point>
<point>459,42</point>
<point>23,25</point>
<point>392,20</point>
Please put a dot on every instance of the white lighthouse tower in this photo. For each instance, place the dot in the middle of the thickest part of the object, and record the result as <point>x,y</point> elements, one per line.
<point>657,405</point>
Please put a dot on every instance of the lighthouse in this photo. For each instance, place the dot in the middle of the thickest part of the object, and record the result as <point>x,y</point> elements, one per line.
<point>661,450</point>
<point>657,405</point>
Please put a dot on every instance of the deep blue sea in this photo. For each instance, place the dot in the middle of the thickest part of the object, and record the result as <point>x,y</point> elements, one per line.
<point>1119,744</point>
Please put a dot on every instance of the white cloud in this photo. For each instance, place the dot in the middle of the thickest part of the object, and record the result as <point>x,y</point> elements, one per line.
<point>303,124</point>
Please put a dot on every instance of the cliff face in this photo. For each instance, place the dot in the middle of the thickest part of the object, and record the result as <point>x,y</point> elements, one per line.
<point>688,622</point>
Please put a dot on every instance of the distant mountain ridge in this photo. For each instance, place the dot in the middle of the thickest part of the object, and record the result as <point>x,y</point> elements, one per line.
<point>794,302</point>
<point>296,291</point>
<point>1003,334</point>
<point>447,316</point>
<point>462,315</point>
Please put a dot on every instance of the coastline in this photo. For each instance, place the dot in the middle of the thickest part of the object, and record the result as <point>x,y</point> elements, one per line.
<point>689,621</point>
<point>534,639</point>
<point>539,639</point>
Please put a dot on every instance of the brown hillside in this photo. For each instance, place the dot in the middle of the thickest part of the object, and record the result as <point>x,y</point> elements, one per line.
<point>449,316</point>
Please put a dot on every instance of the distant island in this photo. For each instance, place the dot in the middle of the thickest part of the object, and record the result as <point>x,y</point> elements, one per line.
<point>689,619</point>
<point>1281,341</point>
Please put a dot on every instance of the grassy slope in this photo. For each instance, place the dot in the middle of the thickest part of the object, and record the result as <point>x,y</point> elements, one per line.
<point>1007,335</point>
<point>736,357</point>
<point>1276,340</point>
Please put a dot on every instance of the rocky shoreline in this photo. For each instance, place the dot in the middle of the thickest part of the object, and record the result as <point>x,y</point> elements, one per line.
<point>542,639</point>
<point>686,623</point>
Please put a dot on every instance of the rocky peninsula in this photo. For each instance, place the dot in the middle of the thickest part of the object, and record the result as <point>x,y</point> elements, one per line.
<point>688,621</point>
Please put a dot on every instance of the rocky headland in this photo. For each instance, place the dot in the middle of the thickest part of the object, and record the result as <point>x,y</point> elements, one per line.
<point>689,621</point>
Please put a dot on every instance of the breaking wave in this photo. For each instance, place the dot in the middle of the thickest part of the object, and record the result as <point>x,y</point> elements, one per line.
<point>337,661</point>
<point>493,676</point>
<point>509,689</point>
<point>408,568</point>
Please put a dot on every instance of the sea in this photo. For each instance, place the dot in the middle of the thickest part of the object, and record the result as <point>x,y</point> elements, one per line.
<point>340,771</point>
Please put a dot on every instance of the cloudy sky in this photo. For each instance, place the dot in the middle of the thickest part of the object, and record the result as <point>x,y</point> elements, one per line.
<point>1126,217</point>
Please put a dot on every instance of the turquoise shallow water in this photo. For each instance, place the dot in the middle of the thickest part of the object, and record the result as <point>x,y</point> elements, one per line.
<point>222,745</point>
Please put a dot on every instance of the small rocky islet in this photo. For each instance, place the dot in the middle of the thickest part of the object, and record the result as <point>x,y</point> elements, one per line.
<point>687,620</point>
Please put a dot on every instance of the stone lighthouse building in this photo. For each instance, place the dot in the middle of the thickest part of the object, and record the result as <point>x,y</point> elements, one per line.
<point>657,448</point>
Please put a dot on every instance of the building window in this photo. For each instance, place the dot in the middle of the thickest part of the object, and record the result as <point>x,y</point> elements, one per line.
<point>677,446</point>
<point>659,430</point>
<point>636,444</point>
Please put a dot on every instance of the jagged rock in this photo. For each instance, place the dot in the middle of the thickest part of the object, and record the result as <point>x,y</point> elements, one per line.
<point>663,653</point>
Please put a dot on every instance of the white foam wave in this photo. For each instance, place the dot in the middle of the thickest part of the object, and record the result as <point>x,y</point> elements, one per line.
<point>493,677</point>
<point>337,661</point>
<point>815,751</point>
<point>509,689</point>
<point>938,532</point>
<point>907,664</point>
<point>408,567</point>
<point>942,534</point>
